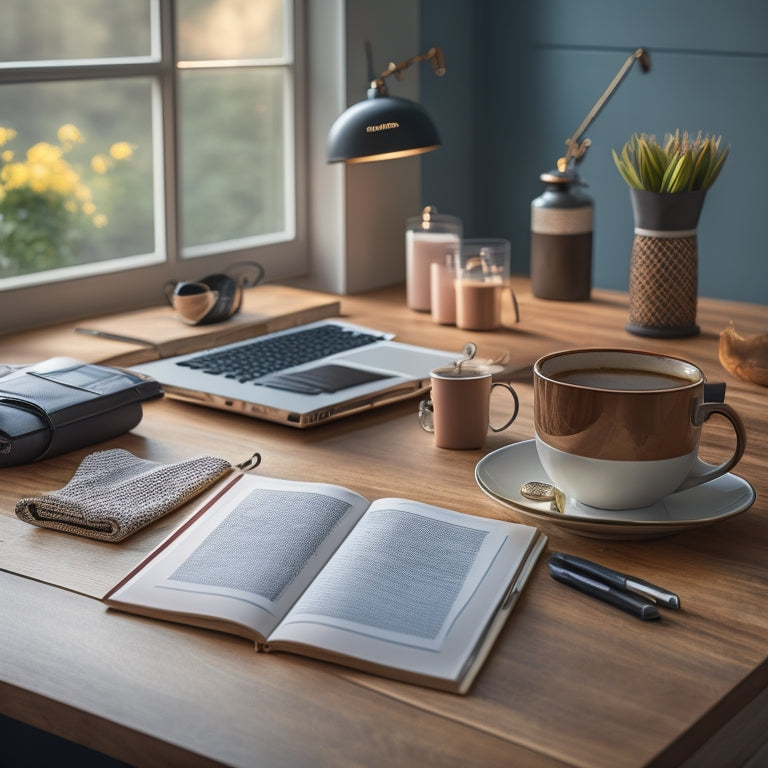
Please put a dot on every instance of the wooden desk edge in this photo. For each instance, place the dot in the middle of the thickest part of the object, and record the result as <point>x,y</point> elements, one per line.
<point>744,727</point>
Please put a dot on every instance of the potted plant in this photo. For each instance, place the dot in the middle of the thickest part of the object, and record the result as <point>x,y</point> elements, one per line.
<point>667,183</point>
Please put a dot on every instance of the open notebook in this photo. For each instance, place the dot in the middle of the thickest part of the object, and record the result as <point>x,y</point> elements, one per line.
<point>302,376</point>
<point>394,586</point>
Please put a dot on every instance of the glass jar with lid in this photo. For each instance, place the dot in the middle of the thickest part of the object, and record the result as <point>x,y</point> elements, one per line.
<point>429,238</point>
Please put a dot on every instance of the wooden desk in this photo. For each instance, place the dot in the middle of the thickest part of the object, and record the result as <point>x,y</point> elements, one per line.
<point>571,681</point>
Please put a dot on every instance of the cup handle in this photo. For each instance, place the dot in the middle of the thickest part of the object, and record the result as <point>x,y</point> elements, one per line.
<point>517,405</point>
<point>515,308</point>
<point>427,415</point>
<point>168,290</point>
<point>704,472</point>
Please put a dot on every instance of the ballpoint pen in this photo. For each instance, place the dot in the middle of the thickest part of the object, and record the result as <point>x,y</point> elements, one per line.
<point>635,604</point>
<point>658,595</point>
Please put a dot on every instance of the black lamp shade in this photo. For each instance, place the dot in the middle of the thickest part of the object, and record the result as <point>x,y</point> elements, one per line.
<point>381,128</point>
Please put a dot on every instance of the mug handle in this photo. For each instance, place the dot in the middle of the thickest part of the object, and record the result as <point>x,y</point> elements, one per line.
<point>168,290</point>
<point>514,413</point>
<point>515,307</point>
<point>427,415</point>
<point>704,472</point>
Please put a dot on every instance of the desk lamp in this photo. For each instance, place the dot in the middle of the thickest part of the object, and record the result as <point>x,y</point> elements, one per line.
<point>385,127</point>
<point>561,218</point>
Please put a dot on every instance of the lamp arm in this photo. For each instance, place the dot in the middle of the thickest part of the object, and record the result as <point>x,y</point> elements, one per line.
<point>434,54</point>
<point>575,149</point>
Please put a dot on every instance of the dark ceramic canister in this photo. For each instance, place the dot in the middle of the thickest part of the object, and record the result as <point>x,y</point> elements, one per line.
<point>663,274</point>
<point>561,239</point>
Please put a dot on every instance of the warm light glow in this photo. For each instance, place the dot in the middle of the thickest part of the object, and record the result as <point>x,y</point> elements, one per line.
<point>221,30</point>
<point>392,155</point>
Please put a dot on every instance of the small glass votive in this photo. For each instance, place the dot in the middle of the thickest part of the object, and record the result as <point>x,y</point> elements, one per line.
<point>443,289</point>
<point>428,238</point>
<point>482,275</point>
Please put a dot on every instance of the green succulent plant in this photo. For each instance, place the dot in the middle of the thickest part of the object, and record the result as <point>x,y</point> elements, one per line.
<point>682,164</point>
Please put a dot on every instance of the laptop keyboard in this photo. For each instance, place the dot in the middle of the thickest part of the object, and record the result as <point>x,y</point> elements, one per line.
<point>265,355</point>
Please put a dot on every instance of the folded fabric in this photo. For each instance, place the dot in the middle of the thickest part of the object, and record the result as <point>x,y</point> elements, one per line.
<point>114,493</point>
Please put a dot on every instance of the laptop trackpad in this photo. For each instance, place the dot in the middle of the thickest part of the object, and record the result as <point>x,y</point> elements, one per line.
<point>323,378</point>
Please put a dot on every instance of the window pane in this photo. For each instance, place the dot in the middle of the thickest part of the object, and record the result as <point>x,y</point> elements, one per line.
<point>230,29</point>
<point>232,154</point>
<point>75,173</point>
<point>41,30</point>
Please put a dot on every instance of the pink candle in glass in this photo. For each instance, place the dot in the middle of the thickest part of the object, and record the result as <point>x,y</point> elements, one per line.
<point>429,238</point>
<point>422,250</point>
<point>443,292</point>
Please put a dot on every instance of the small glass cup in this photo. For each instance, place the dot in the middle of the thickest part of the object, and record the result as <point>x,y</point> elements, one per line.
<point>482,277</point>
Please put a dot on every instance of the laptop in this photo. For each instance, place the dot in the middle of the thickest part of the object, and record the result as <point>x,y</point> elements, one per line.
<point>302,376</point>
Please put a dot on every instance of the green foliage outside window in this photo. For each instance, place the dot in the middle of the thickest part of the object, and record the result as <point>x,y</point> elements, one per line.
<point>54,199</point>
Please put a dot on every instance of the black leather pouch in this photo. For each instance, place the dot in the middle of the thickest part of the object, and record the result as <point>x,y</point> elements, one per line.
<point>62,404</point>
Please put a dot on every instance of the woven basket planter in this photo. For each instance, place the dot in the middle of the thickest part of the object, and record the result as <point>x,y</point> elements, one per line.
<point>663,275</point>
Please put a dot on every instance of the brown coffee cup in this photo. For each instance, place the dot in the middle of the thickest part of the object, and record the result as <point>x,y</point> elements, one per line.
<point>620,429</point>
<point>458,409</point>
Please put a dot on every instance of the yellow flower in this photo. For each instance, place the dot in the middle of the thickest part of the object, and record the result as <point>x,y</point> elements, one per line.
<point>46,171</point>
<point>69,134</point>
<point>14,175</point>
<point>100,164</point>
<point>121,150</point>
<point>44,153</point>
<point>39,177</point>
<point>63,178</point>
<point>6,134</point>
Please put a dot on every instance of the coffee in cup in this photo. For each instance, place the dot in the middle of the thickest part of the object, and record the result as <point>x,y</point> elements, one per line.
<point>620,429</point>
<point>458,409</point>
<point>482,280</point>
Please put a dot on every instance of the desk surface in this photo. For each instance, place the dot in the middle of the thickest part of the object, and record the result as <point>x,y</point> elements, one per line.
<point>570,682</point>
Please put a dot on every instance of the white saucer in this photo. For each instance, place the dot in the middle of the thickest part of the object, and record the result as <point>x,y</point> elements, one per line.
<point>501,474</point>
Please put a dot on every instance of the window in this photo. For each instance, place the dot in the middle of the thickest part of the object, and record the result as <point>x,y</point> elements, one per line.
<point>141,142</point>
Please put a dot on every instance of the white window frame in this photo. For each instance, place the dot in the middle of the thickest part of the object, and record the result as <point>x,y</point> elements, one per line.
<point>65,300</point>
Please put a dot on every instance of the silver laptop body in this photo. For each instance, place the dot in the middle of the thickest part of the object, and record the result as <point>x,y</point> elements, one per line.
<point>304,395</point>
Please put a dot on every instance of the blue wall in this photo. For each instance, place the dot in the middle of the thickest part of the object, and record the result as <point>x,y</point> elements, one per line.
<point>521,76</point>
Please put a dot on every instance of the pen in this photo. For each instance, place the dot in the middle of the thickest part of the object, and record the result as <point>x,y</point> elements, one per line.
<point>616,579</point>
<point>114,336</point>
<point>635,604</point>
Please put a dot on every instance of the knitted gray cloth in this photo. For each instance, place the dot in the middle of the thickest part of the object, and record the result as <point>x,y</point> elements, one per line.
<point>114,493</point>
